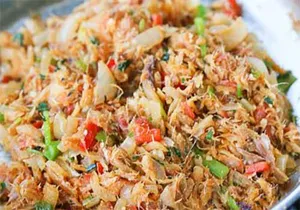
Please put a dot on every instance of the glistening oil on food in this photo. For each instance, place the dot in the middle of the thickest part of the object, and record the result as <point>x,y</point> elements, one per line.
<point>143,105</point>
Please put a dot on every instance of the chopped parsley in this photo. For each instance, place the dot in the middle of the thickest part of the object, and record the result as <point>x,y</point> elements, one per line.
<point>101,136</point>
<point>123,65</point>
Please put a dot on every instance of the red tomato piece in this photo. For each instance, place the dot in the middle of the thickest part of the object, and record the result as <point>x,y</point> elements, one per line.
<point>123,124</point>
<point>111,63</point>
<point>99,168</point>
<point>144,133</point>
<point>157,19</point>
<point>69,109</point>
<point>51,68</point>
<point>6,79</point>
<point>257,167</point>
<point>188,111</point>
<point>233,9</point>
<point>89,140</point>
<point>38,124</point>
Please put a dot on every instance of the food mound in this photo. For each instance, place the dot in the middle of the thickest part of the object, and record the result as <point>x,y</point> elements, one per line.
<point>143,105</point>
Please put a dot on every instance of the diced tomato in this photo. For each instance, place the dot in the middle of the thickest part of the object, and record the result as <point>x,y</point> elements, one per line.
<point>143,132</point>
<point>259,113</point>
<point>188,110</point>
<point>228,83</point>
<point>6,79</point>
<point>123,124</point>
<point>257,167</point>
<point>157,19</point>
<point>38,124</point>
<point>51,68</point>
<point>111,63</point>
<point>69,109</point>
<point>233,9</point>
<point>99,168</point>
<point>89,140</point>
<point>80,88</point>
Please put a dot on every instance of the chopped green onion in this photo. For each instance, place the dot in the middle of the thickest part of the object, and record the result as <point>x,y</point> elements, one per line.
<point>43,205</point>
<point>43,106</point>
<point>42,76</point>
<point>176,151</point>
<point>18,120</point>
<point>209,135</point>
<point>268,100</point>
<point>101,136</point>
<point>211,91</point>
<point>198,152</point>
<point>142,25</point>
<point>165,56</point>
<point>130,134</point>
<point>203,49</point>
<point>239,93</point>
<point>2,186</point>
<point>51,151</point>
<point>217,168</point>
<point>269,64</point>
<point>135,157</point>
<point>200,25</point>
<point>19,38</point>
<point>36,152</point>
<point>256,74</point>
<point>123,65</point>
<point>201,12</point>
<point>91,167</point>
<point>47,127</point>
<point>285,81</point>
<point>2,119</point>
<point>37,59</point>
<point>81,65</point>
<point>232,204</point>
<point>94,41</point>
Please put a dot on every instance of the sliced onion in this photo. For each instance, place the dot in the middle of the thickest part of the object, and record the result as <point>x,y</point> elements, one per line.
<point>149,38</point>
<point>246,104</point>
<point>105,82</point>
<point>59,125</point>
<point>29,130</point>
<point>281,162</point>
<point>129,145</point>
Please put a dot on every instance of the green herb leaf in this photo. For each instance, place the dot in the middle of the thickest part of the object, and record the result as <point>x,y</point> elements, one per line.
<point>239,93</point>
<point>123,65</point>
<point>203,49</point>
<point>285,81</point>
<point>2,119</point>
<point>135,157</point>
<point>142,25</point>
<point>91,167</point>
<point>19,38</point>
<point>198,152</point>
<point>94,41</point>
<point>101,136</point>
<point>51,151</point>
<point>201,12</point>
<point>209,135</point>
<point>43,106</point>
<point>200,25</point>
<point>268,100</point>
<point>43,205</point>
<point>232,204</point>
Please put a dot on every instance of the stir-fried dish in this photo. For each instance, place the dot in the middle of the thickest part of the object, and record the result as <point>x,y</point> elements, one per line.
<point>143,105</point>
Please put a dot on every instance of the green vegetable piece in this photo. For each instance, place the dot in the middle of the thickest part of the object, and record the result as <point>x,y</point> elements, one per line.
<point>209,135</point>
<point>81,65</point>
<point>239,93</point>
<point>217,168</point>
<point>2,186</point>
<point>201,12</point>
<point>165,56</point>
<point>51,151</point>
<point>101,136</point>
<point>200,25</point>
<point>33,151</point>
<point>135,157</point>
<point>269,64</point>
<point>94,41</point>
<point>43,106</point>
<point>42,76</point>
<point>268,100</point>
<point>142,25</point>
<point>256,74</point>
<point>131,134</point>
<point>123,65</point>
<point>232,204</point>
<point>203,49</point>
<point>285,81</point>
<point>47,128</point>
<point>176,152</point>
<point>211,91</point>
<point>2,119</point>
<point>198,152</point>
<point>43,205</point>
<point>91,167</point>
<point>19,38</point>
